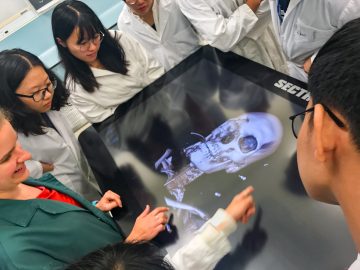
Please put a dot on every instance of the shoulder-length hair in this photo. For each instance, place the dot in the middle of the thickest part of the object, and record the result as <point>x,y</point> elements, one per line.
<point>15,64</point>
<point>70,15</point>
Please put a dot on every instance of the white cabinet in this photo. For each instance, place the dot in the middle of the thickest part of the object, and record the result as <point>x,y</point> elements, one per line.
<point>15,14</point>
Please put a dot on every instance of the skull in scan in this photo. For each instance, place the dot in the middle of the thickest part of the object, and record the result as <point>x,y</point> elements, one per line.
<point>236,143</point>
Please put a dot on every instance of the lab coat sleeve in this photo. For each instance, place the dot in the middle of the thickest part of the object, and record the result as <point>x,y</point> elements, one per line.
<point>218,31</point>
<point>92,111</point>
<point>263,10</point>
<point>263,14</point>
<point>35,168</point>
<point>153,68</point>
<point>207,247</point>
<point>314,56</point>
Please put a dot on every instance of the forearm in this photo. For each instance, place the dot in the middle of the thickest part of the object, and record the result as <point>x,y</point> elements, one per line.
<point>214,28</point>
<point>234,29</point>
<point>208,246</point>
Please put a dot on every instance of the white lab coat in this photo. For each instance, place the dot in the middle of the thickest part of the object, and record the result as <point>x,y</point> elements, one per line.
<point>61,149</point>
<point>232,25</point>
<point>174,38</point>
<point>209,245</point>
<point>116,88</point>
<point>307,25</point>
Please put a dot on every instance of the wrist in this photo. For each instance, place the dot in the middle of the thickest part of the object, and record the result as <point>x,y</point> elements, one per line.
<point>131,238</point>
<point>223,222</point>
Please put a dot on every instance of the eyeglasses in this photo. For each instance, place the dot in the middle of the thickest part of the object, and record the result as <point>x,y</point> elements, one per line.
<point>297,121</point>
<point>40,94</point>
<point>130,2</point>
<point>98,38</point>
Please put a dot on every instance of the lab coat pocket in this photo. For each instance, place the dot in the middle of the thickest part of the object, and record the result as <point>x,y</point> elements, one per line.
<point>307,33</point>
<point>304,33</point>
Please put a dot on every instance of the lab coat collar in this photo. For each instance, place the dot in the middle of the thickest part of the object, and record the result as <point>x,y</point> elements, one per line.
<point>161,12</point>
<point>161,17</point>
<point>64,131</point>
<point>126,16</point>
<point>99,72</point>
<point>292,6</point>
<point>135,22</point>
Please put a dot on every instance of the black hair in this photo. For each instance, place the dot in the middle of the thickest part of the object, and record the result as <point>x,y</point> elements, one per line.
<point>334,78</point>
<point>124,256</point>
<point>14,66</point>
<point>66,17</point>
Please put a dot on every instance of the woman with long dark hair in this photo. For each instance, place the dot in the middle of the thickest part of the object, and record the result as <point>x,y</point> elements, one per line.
<point>102,68</point>
<point>34,95</point>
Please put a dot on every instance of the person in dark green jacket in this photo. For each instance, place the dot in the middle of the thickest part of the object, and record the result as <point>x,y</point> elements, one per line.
<point>50,233</point>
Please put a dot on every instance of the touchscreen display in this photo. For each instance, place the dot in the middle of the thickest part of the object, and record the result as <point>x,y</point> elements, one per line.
<point>204,135</point>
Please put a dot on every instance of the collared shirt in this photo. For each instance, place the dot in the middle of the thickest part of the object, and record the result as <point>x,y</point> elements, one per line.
<point>46,234</point>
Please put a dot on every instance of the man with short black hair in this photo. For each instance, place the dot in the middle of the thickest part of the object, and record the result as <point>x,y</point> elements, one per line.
<point>328,147</point>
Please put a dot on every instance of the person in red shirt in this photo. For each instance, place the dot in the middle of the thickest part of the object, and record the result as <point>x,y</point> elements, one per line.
<point>40,218</point>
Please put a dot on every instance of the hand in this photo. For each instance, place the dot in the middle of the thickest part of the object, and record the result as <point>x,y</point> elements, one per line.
<point>307,65</point>
<point>148,224</point>
<point>109,201</point>
<point>253,4</point>
<point>47,167</point>
<point>242,206</point>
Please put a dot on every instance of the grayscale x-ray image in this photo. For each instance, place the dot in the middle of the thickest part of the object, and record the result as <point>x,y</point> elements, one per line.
<point>233,145</point>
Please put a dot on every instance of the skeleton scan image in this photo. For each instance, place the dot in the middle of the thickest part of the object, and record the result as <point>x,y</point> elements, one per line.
<point>232,146</point>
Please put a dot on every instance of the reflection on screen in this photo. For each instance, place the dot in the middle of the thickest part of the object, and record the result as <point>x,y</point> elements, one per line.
<point>191,216</point>
<point>232,146</point>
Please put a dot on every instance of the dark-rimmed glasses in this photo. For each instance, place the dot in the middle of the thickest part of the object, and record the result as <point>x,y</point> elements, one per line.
<point>40,94</point>
<point>296,121</point>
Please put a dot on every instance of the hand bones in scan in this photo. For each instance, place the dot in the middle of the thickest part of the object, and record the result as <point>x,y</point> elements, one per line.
<point>189,215</point>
